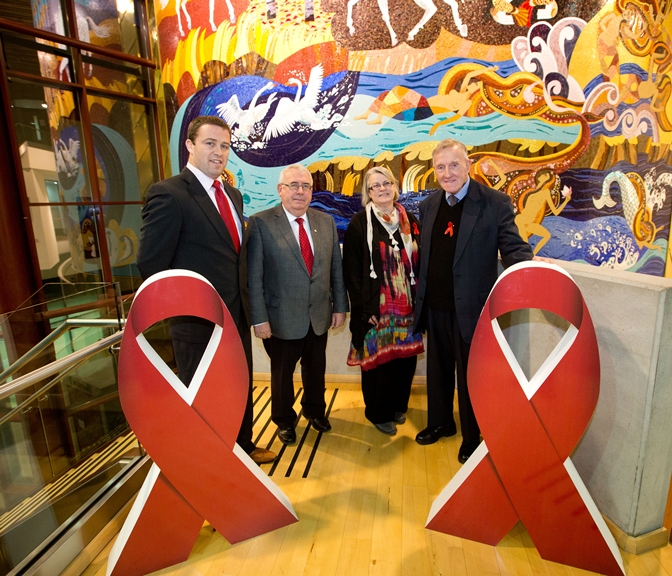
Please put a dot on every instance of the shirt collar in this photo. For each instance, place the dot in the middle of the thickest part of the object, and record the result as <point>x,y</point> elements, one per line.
<point>462,191</point>
<point>291,217</point>
<point>203,178</point>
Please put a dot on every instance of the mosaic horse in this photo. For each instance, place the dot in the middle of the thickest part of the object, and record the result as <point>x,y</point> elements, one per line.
<point>427,5</point>
<point>182,5</point>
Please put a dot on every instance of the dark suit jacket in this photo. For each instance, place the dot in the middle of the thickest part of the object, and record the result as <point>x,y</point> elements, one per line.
<point>181,228</point>
<point>281,291</point>
<point>487,226</point>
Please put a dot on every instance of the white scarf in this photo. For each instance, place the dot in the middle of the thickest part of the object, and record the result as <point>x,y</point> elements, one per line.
<point>391,226</point>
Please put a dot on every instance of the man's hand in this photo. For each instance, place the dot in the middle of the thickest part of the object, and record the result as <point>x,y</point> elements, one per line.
<point>337,319</point>
<point>263,331</point>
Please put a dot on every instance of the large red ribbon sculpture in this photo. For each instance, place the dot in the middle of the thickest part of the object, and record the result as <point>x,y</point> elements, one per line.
<point>199,471</point>
<point>522,470</point>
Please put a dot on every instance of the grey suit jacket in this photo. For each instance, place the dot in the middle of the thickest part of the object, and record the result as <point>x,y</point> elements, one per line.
<point>281,291</point>
<point>486,228</point>
<point>181,228</point>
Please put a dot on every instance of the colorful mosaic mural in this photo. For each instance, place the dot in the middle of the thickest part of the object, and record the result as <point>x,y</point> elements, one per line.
<point>565,106</point>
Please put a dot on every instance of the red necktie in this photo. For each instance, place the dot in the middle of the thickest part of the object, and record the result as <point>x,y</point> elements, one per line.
<point>306,251</point>
<point>227,216</point>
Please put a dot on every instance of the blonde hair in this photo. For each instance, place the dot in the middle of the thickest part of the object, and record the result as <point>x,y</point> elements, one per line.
<point>383,171</point>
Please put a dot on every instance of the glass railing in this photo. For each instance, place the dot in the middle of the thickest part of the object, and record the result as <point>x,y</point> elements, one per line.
<point>63,435</point>
<point>55,321</point>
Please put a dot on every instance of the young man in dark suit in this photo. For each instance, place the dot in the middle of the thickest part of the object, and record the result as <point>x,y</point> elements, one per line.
<point>464,227</point>
<point>194,221</point>
<point>297,293</point>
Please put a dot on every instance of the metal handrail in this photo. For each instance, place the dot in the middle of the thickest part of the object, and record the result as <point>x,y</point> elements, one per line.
<point>52,368</point>
<point>45,388</point>
<point>57,333</point>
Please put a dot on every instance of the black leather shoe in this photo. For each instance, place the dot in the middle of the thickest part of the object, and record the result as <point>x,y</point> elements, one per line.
<point>432,433</point>
<point>466,450</point>
<point>287,435</point>
<point>400,417</point>
<point>320,424</point>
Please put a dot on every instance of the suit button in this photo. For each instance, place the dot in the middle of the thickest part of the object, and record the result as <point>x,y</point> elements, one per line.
<point>310,305</point>
<point>312,281</point>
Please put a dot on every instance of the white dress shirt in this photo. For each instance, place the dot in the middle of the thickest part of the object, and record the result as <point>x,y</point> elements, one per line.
<point>207,184</point>
<point>295,227</point>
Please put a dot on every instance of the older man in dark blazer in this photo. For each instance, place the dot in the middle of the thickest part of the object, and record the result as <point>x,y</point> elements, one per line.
<point>464,226</point>
<point>296,294</point>
<point>194,221</point>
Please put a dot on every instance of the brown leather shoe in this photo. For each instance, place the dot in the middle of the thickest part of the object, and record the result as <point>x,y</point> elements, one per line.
<point>261,456</point>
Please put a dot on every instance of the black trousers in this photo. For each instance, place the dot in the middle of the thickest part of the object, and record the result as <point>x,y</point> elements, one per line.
<point>447,356</point>
<point>387,388</point>
<point>284,354</point>
<point>187,357</point>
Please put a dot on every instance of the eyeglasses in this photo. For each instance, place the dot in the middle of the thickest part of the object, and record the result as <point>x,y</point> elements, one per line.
<point>294,186</point>
<point>378,186</point>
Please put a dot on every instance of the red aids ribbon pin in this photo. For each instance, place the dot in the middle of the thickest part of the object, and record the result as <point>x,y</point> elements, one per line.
<point>199,472</point>
<point>449,229</point>
<point>522,470</point>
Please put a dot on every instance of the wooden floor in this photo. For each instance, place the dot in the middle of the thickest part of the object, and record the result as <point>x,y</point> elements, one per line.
<point>362,499</point>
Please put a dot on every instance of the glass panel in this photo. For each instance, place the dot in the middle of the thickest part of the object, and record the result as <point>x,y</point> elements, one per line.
<point>47,310</point>
<point>30,117</point>
<point>48,129</point>
<point>26,54</point>
<point>4,353</point>
<point>45,14</point>
<point>108,23</point>
<point>115,75</point>
<point>64,438</point>
<point>122,227</point>
<point>77,338</point>
<point>44,439</point>
<point>125,148</point>
<point>24,460</point>
<point>91,404</point>
<point>68,247</point>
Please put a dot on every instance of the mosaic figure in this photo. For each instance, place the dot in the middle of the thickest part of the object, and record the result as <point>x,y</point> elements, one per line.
<point>429,10</point>
<point>182,5</point>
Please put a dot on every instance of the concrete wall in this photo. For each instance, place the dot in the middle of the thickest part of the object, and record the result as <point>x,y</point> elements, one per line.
<point>625,456</point>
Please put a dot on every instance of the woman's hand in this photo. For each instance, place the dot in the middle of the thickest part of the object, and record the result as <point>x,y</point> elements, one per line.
<point>373,320</point>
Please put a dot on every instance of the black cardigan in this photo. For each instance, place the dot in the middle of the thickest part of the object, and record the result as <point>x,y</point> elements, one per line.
<point>364,291</point>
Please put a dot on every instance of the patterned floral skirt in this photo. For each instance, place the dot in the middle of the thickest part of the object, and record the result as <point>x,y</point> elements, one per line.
<point>392,338</point>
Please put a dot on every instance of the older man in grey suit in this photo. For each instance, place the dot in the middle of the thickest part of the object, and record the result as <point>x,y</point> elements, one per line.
<point>297,293</point>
